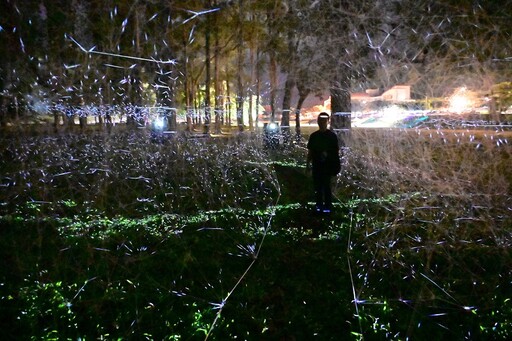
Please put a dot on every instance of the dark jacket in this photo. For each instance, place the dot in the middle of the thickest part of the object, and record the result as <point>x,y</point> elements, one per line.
<point>324,148</point>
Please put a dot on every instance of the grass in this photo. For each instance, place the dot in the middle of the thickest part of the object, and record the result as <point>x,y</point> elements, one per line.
<point>119,237</point>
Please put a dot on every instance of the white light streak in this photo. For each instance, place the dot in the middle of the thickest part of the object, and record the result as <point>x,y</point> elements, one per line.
<point>91,51</point>
<point>67,67</point>
<point>196,14</point>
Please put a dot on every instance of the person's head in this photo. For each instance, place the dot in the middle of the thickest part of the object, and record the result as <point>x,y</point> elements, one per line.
<point>323,120</point>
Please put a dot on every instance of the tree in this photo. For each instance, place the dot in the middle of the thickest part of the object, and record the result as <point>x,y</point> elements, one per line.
<point>291,45</point>
<point>240,59</point>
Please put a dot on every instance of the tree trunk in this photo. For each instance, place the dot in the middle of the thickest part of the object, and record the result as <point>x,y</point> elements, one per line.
<point>218,101</point>
<point>251,94</point>
<point>239,85</point>
<point>303,94</point>
<point>257,94</point>
<point>273,85</point>
<point>228,102</point>
<point>187,85</point>
<point>340,106</point>
<point>207,83</point>
<point>285,116</point>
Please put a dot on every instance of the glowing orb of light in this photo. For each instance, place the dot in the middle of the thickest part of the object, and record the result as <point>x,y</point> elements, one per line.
<point>460,101</point>
<point>159,123</point>
<point>272,126</point>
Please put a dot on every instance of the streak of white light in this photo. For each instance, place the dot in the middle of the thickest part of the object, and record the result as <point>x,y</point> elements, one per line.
<point>437,285</point>
<point>191,35</point>
<point>67,67</point>
<point>196,14</point>
<point>22,45</point>
<point>158,86</point>
<point>114,66</point>
<point>91,51</point>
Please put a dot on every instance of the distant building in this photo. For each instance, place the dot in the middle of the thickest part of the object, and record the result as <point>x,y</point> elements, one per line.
<point>372,97</point>
<point>398,93</point>
<point>368,100</point>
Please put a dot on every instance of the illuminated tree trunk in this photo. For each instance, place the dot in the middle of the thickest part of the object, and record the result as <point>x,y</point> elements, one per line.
<point>285,117</point>
<point>207,104</point>
<point>218,101</point>
<point>258,86</point>
<point>187,83</point>
<point>228,103</point>
<point>135,85</point>
<point>291,68</point>
<point>273,85</point>
<point>251,95</point>
<point>239,85</point>
<point>340,100</point>
<point>82,33</point>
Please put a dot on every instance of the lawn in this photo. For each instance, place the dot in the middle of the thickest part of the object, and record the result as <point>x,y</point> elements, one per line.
<point>122,237</point>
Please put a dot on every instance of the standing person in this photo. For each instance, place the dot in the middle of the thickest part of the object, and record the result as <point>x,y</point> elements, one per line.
<point>323,155</point>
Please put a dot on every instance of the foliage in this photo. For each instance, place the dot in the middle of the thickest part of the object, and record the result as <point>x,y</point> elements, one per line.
<point>503,95</point>
<point>417,246</point>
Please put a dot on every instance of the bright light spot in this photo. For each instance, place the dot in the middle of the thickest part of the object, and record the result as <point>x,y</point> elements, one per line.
<point>388,116</point>
<point>392,114</point>
<point>272,126</point>
<point>159,123</point>
<point>460,101</point>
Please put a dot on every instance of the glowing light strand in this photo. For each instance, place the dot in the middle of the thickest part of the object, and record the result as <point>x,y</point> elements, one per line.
<point>196,14</point>
<point>255,255</point>
<point>92,51</point>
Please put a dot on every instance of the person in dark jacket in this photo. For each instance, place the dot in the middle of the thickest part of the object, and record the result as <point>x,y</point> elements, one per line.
<point>323,156</point>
